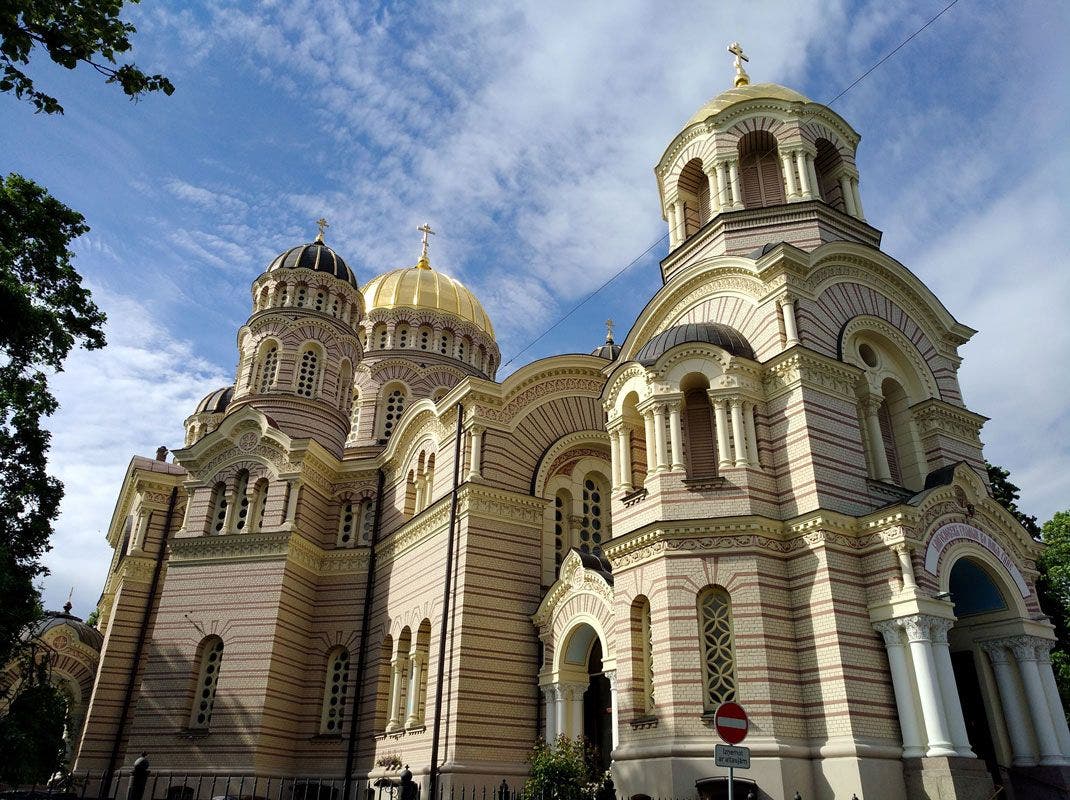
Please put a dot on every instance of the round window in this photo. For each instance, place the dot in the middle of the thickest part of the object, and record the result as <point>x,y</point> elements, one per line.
<point>868,354</point>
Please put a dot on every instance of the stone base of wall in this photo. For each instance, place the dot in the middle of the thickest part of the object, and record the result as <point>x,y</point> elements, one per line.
<point>947,778</point>
<point>1038,783</point>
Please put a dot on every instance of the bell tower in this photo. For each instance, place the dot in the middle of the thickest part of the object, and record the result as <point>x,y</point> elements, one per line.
<point>759,164</point>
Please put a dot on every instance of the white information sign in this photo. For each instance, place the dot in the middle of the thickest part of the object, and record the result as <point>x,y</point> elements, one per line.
<point>726,755</point>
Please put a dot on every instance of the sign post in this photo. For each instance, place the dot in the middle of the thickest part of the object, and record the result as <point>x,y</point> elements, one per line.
<point>732,725</point>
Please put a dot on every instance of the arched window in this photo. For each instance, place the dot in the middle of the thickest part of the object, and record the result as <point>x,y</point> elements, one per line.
<point>219,508</point>
<point>336,306</point>
<point>694,193</point>
<point>320,300</point>
<point>308,372</point>
<point>345,386</point>
<point>354,415</point>
<point>399,680</point>
<point>347,525</point>
<point>207,681</point>
<point>334,693</point>
<point>410,494</point>
<point>424,340</point>
<point>417,691</point>
<point>393,408</point>
<point>429,480</point>
<point>636,433</point>
<point>827,164</point>
<point>379,336</point>
<point>462,348</point>
<point>715,639</point>
<point>302,296</point>
<point>402,335</point>
<point>594,529</point>
<point>700,443</point>
<point>759,170</point>
<point>905,464</point>
<point>241,499</point>
<point>642,654</point>
<point>269,367</point>
<point>367,520</point>
<point>445,343</point>
<point>562,540</point>
<point>383,684</point>
<point>259,505</point>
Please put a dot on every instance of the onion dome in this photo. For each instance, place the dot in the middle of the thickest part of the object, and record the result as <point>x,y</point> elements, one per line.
<point>316,256</point>
<point>215,402</point>
<point>86,633</point>
<point>749,91</point>
<point>609,350</point>
<point>421,287</point>
<point>710,332</point>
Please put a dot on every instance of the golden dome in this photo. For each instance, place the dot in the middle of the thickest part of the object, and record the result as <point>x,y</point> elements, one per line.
<point>424,288</point>
<point>750,91</point>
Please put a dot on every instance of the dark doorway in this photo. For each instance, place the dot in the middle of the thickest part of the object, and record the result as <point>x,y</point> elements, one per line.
<point>598,710</point>
<point>973,710</point>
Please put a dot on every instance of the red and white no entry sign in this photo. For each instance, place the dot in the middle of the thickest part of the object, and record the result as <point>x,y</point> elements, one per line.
<point>732,723</point>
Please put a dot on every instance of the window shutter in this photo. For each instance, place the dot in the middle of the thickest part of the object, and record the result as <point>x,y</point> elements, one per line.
<point>701,449</point>
<point>750,186</point>
<point>772,180</point>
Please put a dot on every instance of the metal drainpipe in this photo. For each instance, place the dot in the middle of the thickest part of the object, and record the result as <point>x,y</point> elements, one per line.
<point>433,787</point>
<point>369,586</point>
<point>136,665</point>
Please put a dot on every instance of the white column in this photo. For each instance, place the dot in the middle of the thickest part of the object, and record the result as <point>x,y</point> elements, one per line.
<point>614,458</point>
<point>1051,691</point>
<point>806,190</point>
<point>562,710</point>
<point>932,706</point>
<point>475,468</point>
<point>675,435</point>
<point>670,214</point>
<point>903,687</point>
<point>725,199</point>
<point>291,507</point>
<point>611,676</point>
<point>661,451</point>
<point>415,676</point>
<point>787,162</point>
<point>848,195</point>
<point>791,330</point>
<point>651,455</point>
<point>733,179</point>
<point>397,675</point>
<point>1013,714</point>
<point>752,434</point>
<point>715,198</point>
<point>812,170</point>
<point>870,405</point>
<point>549,694</point>
<point>1026,654</point>
<point>906,566</point>
<point>857,197</point>
<point>720,419</point>
<point>418,502</point>
<point>391,329</point>
<point>738,439</point>
<point>949,690</point>
<point>625,458</point>
<point>575,700</point>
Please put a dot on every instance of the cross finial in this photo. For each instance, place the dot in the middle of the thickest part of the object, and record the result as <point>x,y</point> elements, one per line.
<point>322,223</point>
<point>69,605</point>
<point>424,262</point>
<point>742,78</point>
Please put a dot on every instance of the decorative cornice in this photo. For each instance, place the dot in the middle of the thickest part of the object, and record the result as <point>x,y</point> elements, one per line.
<point>938,416</point>
<point>269,546</point>
<point>799,367</point>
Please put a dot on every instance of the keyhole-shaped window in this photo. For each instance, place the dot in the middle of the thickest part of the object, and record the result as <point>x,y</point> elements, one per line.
<point>307,373</point>
<point>334,696</point>
<point>268,368</point>
<point>395,407</point>
<point>208,680</point>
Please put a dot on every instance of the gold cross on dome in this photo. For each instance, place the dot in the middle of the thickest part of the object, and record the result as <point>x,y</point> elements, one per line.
<point>425,229</point>
<point>736,49</point>
<point>322,223</point>
<point>609,330</point>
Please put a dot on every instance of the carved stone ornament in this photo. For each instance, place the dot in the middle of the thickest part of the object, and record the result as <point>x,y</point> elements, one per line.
<point>891,631</point>
<point>247,441</point>
<point>917,627</point>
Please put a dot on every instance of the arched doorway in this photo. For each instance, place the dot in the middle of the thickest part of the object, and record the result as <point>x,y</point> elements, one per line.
<point>598,709</point>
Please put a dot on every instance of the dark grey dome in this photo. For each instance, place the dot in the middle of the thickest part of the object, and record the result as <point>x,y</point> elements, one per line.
<point>711,332</point>
<point>316,256</point>
<point>216,402</point>
<point>608,351</point>
<point>87,634</point>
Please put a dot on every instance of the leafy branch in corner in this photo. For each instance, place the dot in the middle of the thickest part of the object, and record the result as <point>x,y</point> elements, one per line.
<point>72,33</point>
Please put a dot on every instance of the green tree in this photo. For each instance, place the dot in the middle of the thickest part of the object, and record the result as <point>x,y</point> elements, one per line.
<point>72,33</point>
<point>1007,495</point>
<point>31,729</point>
<point>1053,589</point>
<point>562,770</point>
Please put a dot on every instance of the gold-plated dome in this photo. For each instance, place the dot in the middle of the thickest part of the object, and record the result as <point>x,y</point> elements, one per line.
<point>423,287</point>
<point>749,91</point>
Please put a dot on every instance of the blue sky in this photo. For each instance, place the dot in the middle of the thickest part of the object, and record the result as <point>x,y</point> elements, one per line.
<point>526,135</point>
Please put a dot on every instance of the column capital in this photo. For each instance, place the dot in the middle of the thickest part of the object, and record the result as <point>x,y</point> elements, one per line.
<point>939,626</point>
<point>1024,648</point>
<point>996,650</point>
<point>870,403</point>
<point>889,629</point>
<point>611,676</point>
<point>786,299</point>
<point>917,627</point>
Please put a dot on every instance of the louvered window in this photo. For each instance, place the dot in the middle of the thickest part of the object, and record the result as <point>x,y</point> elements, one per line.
<point>701,443</point>
<point>759,170</point>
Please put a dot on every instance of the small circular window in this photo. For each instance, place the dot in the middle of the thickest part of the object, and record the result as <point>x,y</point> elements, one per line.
<point>868,354</point>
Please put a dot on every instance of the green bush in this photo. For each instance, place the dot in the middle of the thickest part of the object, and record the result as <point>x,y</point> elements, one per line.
<point>563,770</point>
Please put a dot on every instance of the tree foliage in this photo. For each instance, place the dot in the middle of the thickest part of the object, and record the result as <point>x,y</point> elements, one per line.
<point>1007,495</point>
<point>47,312</point>
<point>32,749</point>
<point>72,33</point>
<point>1053,588</point>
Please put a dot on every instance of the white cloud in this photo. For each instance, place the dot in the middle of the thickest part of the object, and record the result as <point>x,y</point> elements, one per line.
<point>126,399</point>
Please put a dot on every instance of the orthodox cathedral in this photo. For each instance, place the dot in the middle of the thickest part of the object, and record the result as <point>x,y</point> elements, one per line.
<point>370,552</point>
